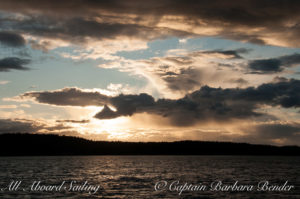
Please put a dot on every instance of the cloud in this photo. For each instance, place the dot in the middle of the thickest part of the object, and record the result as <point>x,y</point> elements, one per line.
<point>8,106</point>
<point>44,127</point>
<point>280,79</point>
<point>185,71</point>
<point>12,39</point>
<point>14,126</point>
<point>274,65</point>
<point>127,105</point>
<point>272,133</point>
<point>225,54</point>
<point>28,126</point>
<point>79,30</point>
<point>205,104</point>
<point>180,72</point>
<point>43,45</point>
<point>3,82</point>
<point>184,80</point>
<point>250,21</point>
<point>73,121</point>
<point>13,63</point>
<point>278,130</point>
<point>212,103</point>
<point>107,113</point>
<point>239,81</point>
<point>266,65</point>
<point>68,97</point>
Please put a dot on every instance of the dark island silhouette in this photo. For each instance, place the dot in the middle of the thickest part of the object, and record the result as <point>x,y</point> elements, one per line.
<point>49,144</point>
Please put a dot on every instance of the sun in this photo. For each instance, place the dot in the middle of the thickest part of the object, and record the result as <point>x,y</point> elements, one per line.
<point>115,129</point>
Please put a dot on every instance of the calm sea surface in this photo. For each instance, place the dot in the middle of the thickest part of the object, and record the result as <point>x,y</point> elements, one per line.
<point>138,176</point>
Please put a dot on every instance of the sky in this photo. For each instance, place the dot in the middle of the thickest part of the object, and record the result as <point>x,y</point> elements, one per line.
<point>152,70</point>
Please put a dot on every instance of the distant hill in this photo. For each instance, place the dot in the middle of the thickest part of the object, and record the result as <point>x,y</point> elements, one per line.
<point>45,144</point>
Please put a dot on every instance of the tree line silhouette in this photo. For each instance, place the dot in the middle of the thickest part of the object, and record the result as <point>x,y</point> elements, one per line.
<point>49,144</point>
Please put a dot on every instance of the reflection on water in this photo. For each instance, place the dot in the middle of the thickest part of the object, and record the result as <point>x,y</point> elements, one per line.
<point>136,176</point>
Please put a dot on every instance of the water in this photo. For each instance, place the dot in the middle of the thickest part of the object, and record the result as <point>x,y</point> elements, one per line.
<point>136,176</point>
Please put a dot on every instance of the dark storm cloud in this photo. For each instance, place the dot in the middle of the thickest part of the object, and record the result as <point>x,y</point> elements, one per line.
<point>285,94</point>
<point>107,113</point>
<point>211,103</point>
<point>290,60</point>
<point>266,66</point>
<point>68,97</point>
<point>275,64</point>
<point>126,105</point>
<point>129,104</point>
<point>13,63</point>
<point>11,39</point>
<point>256,21</point>
<point>202,105</point>
<point>78,29</point>
<point>249,12</point>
